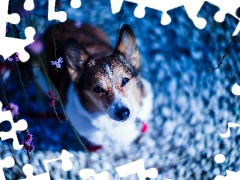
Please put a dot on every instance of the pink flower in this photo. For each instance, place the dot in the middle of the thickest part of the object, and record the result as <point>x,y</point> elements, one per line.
<point>14,56</point>
<point>144,127</point>
<point>53,97</point>
<point>13,108</point>
<point>57,63</point>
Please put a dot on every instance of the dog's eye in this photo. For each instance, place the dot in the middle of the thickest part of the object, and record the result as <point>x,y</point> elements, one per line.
<point>98,90</point>
<point>124,81</point>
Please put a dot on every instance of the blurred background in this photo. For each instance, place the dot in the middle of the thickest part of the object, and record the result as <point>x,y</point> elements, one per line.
<point>192,99</point>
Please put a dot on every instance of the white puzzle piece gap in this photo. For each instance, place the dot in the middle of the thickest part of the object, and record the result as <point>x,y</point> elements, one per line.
<point>65,158</point>
<point>8,162</point>
<point>87,173</point>
<point>192,8</point>
<point>20,125</point>
<point>29,5</point>
<point>66,166</point>
<point>9,46</point>
<point>228,133</point>
<point>28,171</point>
<point>236,89</point>
<point>137,167</point>
<point>75,4</point>
<point>52,15</point>
<point>219,158</point>
<point>230,175</point>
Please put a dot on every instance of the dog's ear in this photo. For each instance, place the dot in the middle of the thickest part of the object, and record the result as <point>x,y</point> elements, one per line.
<point>76,56</point>
<point>127,46</point>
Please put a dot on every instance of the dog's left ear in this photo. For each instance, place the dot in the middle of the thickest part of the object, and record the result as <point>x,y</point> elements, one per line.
<point>76,56</point>
<point>127,46</point>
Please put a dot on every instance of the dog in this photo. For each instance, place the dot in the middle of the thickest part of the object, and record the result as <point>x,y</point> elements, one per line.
<point>104,95</point>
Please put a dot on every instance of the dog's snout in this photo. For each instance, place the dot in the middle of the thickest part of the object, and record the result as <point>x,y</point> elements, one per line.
<point>122,113</point>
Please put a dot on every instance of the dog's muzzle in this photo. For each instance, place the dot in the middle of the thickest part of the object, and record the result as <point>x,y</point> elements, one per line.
<point>122,114</point>
<point>119,112</point>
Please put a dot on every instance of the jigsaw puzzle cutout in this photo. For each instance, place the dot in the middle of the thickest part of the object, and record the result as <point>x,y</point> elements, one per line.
<point>137,167</point>
<point>228,133</point>
<point>192,8</point>
<point>28,5</point>
<point>20,125</point>
<point>66,166</point>
<point>8,162</point>
<point>17,45</point>
<point>75,4</point>
<point>220,158</point>
<point>53,15</point>
<point>209,12</point>
<point>236,91</point>
<point>230,175</point>
<point>9,45</point>
<point>87,173</point>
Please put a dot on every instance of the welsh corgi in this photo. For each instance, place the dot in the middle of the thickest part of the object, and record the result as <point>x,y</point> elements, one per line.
<point>101,87</point>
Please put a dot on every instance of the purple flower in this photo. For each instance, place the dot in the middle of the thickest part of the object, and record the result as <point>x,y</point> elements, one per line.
<point>13,108</point>
<point>28,147</point>
<point>57,63</point>
<point>27,143</point>
<point>14,56</point>
<point>28,137</point>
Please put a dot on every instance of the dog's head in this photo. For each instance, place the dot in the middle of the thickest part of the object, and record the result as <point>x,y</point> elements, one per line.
<point>109,84</point>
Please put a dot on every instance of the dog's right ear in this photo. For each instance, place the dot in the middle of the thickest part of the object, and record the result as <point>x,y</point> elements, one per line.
<point>76,56</point>
<point>127,46</point>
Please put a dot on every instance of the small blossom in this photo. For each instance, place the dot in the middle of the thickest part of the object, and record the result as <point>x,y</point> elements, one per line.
<point>52,103</point>
<point>144,127</point>
<point>28,147</point>
<point>57,63</point>
<point>27,143</point>
<point>13,108</point>
<point>14,56</point>
<point>53,97</point>
<point>78,24</point>
<point>28,137</point>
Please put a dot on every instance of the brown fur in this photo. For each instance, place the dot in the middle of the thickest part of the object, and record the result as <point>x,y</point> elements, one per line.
<point>92,38</point>
<point>85,62</point>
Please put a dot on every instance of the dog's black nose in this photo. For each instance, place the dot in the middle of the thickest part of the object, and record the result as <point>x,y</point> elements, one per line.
<point>122,113</point>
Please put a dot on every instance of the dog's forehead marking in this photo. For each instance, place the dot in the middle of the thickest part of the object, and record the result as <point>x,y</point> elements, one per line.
<point>109,71</point>
<point>111,78</point>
